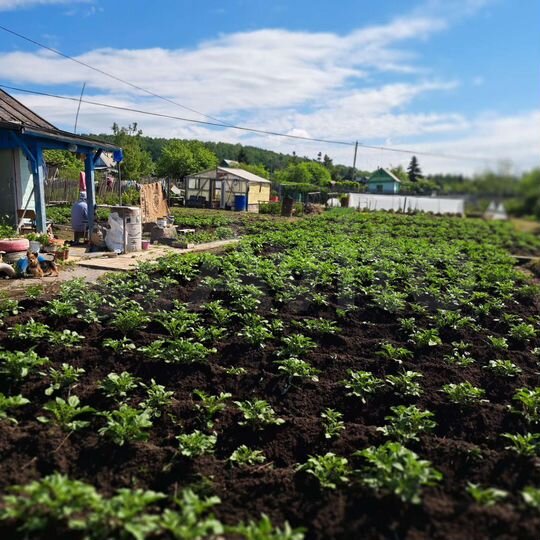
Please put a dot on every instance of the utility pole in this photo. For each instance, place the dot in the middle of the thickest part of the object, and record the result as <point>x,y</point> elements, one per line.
<point>354,162</point>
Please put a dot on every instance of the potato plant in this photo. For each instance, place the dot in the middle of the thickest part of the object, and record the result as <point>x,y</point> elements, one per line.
<point>245,456</point>
<point>7,403</point>
<point>258,413</point>
<point>125,425</point>
<point>395,469</point>
<point>330,470</point>
<point>362,384</point>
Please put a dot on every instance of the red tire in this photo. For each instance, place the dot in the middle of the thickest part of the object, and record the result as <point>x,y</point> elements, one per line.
<point>9,245</point>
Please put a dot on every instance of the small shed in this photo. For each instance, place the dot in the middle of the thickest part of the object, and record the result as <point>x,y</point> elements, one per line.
<point>23,137</point>
<point>217,188</point>
<point>383,181</point>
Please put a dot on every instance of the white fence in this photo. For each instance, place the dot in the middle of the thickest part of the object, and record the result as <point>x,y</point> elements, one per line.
<point>406,203</point>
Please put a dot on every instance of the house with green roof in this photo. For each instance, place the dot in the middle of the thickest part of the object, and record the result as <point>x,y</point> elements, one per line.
<point>383,181</point>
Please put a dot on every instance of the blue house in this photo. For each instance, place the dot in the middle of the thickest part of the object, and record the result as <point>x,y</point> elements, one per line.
<point>383,181</point>
<point>23,137</point>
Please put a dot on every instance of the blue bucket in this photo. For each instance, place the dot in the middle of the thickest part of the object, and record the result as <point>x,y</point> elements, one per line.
<point>240,203</point>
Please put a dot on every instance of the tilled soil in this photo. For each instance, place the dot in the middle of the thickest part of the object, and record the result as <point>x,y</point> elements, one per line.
<point>466,445</point>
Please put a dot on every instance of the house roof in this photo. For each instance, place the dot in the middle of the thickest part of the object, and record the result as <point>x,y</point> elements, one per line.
<point>18,117</point>
<point>239,173</point>
<point>385,172</point>
<point>245,175</point>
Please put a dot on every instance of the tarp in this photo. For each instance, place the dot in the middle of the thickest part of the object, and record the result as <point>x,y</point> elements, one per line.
<point>153,202</point>
<point>406,203</point>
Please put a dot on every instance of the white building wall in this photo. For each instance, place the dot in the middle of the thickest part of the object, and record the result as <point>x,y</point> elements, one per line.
<point>406,203</point>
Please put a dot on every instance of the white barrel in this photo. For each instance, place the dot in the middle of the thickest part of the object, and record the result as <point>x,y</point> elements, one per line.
<point>133,231</point>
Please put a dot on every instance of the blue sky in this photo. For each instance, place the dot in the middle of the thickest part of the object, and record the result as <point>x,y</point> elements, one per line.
<point>444,76</point>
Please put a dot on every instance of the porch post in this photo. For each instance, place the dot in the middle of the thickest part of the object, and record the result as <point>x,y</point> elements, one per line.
<point>90,190</point>
<point>39,189</point>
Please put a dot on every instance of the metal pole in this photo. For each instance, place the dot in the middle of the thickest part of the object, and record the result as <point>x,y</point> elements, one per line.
<point>354,161</point>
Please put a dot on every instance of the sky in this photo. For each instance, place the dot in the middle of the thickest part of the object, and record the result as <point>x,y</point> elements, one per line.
<point>454,78</point>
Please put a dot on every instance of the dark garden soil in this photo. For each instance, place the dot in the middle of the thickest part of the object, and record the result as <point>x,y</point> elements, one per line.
<point>31,449</point>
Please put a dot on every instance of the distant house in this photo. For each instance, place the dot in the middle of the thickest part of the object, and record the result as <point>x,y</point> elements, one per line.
<point>229,163</point>
<point>219,187</point>
<point>383,181</point>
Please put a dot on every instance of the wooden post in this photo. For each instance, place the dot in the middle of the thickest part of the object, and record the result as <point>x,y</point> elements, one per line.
<point>39,189</point>
<point>90,190</point>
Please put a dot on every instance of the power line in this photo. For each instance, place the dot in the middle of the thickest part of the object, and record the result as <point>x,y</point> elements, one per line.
<point>216,121</point>
<point>248,129</point>
<point>172,117</point>
<point>102,72</point>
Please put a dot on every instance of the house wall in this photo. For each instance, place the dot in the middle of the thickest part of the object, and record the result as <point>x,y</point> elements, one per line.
<point>406,203</point>
<point>258,193</point>
<point>385,187</point>
<point>7,186</point>
<point>16,184</point>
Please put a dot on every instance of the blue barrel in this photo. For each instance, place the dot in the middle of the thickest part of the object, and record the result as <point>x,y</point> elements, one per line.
<point>240,203</point>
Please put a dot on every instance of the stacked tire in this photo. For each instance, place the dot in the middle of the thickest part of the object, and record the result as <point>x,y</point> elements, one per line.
<point>14,249</point>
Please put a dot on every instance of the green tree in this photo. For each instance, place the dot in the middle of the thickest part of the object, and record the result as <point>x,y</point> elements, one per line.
<point>400,173</point>
<point>414,172</point>
<point>307,172</point>
<point>242,156</point>
<point>181,158</point>
<point>69,164</point>
<point>529,194</point>
<point>137,162</point>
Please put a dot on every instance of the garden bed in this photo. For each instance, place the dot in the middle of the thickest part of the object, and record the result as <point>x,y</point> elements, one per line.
<point>341,294</point>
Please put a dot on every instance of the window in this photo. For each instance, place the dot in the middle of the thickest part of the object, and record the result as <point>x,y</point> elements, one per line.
<point>379,188</point>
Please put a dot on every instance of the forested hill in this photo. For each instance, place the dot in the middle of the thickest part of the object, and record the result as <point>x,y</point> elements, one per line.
<point>272,161</point>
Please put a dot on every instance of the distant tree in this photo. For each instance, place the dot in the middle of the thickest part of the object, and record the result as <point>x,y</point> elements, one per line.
<point>242,156</point>
<point>400,173</point>
<point>319,157</point>
<point>327,162</point>
<point>137,162</point>
<point>181,158</point>
<point>294,157</point>
<point>307,172</point>
<point>413,171</point>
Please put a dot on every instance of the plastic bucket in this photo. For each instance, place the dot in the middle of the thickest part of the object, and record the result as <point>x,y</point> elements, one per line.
<point>145,244</point>
<point>34,246</point>
<point>240,203</point>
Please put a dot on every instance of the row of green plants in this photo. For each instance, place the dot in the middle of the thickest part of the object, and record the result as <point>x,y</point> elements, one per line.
<point>58,503</point>
<point>448,284</point>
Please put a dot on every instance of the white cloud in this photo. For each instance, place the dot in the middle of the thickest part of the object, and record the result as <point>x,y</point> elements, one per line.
<point>320,85</point>
<point>237,72</point>
<point>10,5</point>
